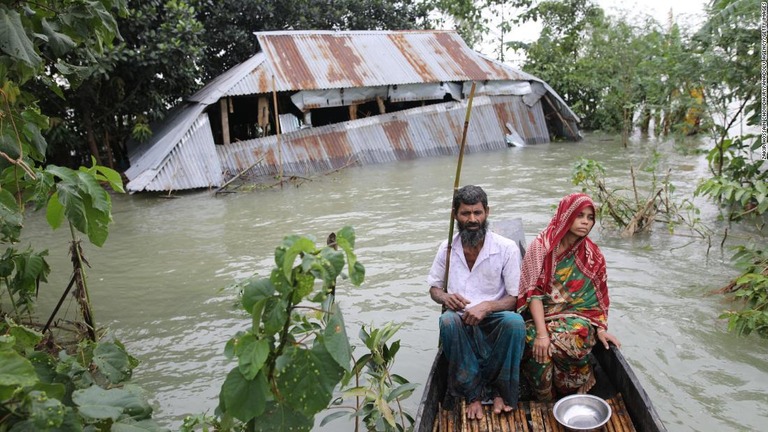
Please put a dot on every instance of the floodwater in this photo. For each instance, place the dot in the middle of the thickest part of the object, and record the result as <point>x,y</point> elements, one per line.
<point>160,283</point>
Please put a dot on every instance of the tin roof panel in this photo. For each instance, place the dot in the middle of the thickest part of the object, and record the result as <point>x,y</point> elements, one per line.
<point>317,60</point>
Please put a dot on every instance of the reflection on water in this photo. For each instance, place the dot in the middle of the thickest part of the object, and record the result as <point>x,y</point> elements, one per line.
<point>160,281</point>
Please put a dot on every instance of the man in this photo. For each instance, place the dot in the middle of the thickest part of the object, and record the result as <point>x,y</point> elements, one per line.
<point>482,338</point>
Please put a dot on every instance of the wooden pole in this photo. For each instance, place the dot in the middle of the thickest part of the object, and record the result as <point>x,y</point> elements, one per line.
<point>277,131</point>
<point>224,120</point>
<point>456,184</point>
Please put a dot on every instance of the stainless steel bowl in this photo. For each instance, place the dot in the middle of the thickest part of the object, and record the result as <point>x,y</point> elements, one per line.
<point>582,412</point>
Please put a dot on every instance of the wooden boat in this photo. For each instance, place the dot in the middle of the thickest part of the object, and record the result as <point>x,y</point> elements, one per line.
<point>616,383</point>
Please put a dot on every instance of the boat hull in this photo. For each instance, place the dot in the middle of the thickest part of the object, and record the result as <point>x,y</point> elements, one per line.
<point>614,377</point>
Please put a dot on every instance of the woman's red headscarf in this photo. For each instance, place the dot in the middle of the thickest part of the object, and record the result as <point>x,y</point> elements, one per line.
<point>540,260</point>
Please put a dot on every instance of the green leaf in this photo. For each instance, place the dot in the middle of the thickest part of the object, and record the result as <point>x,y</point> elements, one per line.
<point>54,212</point>
<point>11,218</point>
<point>113,362</point>
<point>335,261</point>
<point>345,238</point>
<point>112,177</point>
<point>304,285</point>
<point>35,138</point>
<point>404,390</point>
<point>97,221</point>
<point>762,207</point>
<point>348,234</point>
<point>91,187</point>
<point>336,340</point>
<point>275,315</point>
<point>360,391</point>
<point>281,417</point>
<point>307,378</point>
<point>74,207</point>
<point>357,273</point>
<point>15,370</point>
<point>100,404</point>
<point>299,245</point>
<point>14,40</point>
<point>255,291</point>
<point>45,412</point>
<point>242,398</point>
<point>26,338</point>
<point>59,43</point>
<point>331,417</point>
<point>55,390</point>
<point>252,354</point>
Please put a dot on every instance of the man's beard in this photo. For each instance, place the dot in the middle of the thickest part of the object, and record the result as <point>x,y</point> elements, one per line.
<point>473,237</point>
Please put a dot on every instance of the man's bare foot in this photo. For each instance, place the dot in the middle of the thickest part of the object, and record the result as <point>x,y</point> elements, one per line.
<point>499,405</point>
<point>475,410</point>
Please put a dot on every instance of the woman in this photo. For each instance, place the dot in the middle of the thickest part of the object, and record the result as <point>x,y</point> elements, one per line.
<point>564,297</point>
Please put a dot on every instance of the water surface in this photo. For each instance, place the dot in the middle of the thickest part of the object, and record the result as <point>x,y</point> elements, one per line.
<point>160,283</point>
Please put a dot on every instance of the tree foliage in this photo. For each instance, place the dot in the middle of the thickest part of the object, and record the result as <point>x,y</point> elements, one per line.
<point>614,73</point>
<point>729,42</point>
<point>288,362</point>
<point>378,401</point>
<point>135,82</point>
<point>43,386</point>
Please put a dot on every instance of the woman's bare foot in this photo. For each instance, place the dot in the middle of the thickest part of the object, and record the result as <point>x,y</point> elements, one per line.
<point>475,410</point>
<point>499,405</point>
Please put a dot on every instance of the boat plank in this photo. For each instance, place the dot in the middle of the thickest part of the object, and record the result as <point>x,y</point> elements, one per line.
<point>521,423</point>
<point>529,416</point>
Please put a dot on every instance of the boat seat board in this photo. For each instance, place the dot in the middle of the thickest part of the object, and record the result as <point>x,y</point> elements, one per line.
<point>528,417</point>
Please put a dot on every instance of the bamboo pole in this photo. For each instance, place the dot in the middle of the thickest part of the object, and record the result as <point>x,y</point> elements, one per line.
<point>456,185</point>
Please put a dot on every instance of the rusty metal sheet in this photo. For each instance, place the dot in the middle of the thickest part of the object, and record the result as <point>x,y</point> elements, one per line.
<point>320,60</point>
<point>419,132</point>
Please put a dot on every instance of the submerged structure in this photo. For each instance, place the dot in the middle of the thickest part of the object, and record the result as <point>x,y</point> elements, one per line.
<point>314,101</point>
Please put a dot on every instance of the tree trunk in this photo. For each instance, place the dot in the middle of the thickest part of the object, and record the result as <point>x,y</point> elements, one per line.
<point>645,120</point>
<point>91,136</point>
<point>108,147</point>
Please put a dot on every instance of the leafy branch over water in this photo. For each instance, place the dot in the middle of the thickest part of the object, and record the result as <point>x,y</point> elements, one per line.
<point>289,363</point>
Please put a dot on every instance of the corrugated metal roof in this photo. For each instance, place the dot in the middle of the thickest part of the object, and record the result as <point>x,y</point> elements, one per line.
<point>237,81</point>
<point>151,153</point>
<point>427,131</point>
<point>316,60</point>
<point>307,60</point>
<point>191,163</point>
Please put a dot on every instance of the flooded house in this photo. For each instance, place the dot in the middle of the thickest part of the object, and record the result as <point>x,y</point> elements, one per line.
<point>310,102</point>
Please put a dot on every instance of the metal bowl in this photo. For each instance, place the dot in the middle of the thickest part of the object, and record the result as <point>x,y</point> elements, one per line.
<point>582,412</point>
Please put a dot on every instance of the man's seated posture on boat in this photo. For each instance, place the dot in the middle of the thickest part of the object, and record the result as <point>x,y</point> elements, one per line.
<point>563,287</point>
<point>482,338</point>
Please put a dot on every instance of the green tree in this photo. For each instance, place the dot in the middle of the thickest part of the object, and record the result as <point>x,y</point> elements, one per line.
<point>570,53</point>
<point>134,82</point>
<point>728,44</point>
